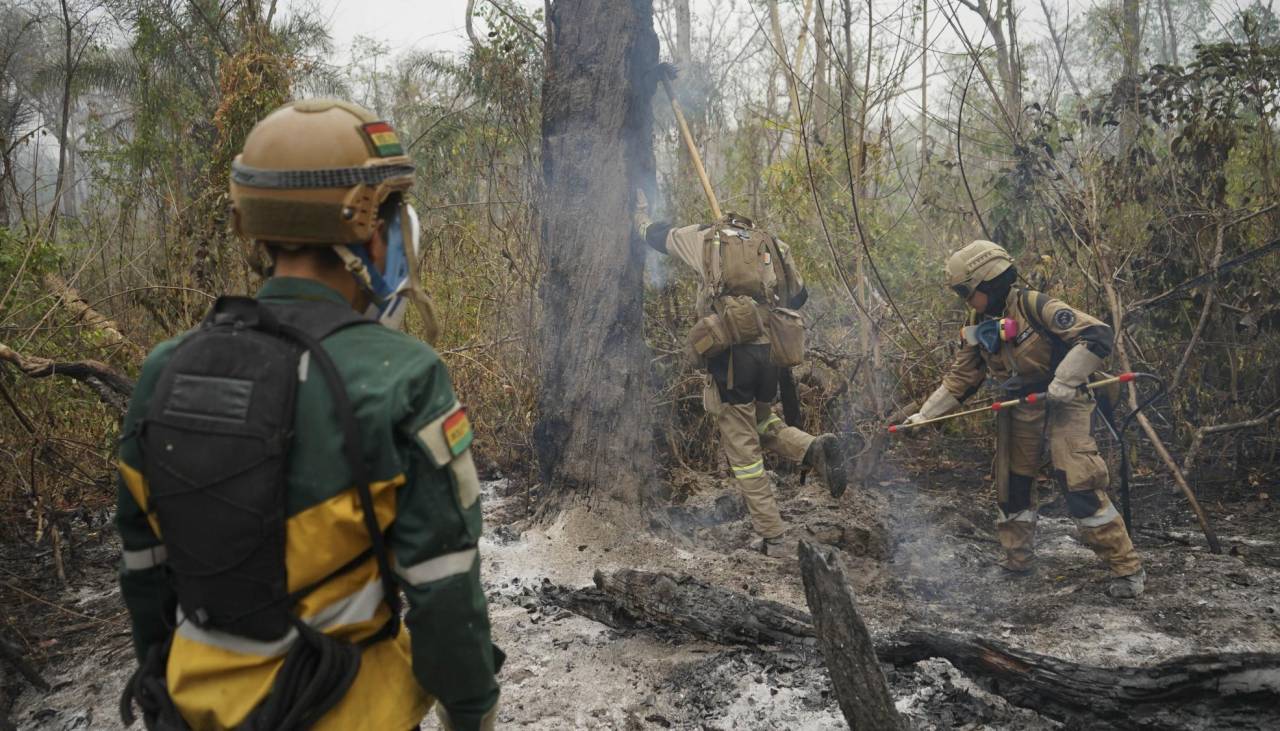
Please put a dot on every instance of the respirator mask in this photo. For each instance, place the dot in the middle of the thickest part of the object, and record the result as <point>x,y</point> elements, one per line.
<point>398,286</point>
<point>988,334</point>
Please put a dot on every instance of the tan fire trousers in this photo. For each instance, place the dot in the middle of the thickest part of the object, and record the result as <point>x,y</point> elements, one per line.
<point>746,430</point>
<point>1079,471</point>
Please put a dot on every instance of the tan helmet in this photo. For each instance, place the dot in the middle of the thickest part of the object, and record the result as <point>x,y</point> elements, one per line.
<point>980,261</point>
<point>314,172</point>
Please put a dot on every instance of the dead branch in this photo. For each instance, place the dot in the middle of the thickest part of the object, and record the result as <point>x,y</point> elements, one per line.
<point>112,388</point>
<point>1205,313</point>
<point>1117,315</point>
<point>1197,439</point>
<point>83,312</point>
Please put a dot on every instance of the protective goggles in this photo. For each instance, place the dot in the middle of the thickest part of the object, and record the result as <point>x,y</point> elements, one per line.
<point>963,290</point>
<point>990,333</point>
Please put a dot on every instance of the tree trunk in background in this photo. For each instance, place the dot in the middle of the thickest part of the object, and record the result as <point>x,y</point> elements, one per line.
<point>924,87</point>
<point>821,83</point>
<point>1131,49</point>
<point>684,33</point>
<point>593,434</point>
<point>67,28</point>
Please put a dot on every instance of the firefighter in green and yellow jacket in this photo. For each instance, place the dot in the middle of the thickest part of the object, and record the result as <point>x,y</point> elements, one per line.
<point>1028,342</point>
<point>375,490</point>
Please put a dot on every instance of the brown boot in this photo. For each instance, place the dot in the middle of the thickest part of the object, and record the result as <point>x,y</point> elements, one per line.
<point>1017,534</point>
<point>826,456</point>
<point>1128,587</point>
<point>783,546</point>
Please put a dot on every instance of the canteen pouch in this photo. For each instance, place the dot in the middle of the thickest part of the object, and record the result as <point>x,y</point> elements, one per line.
<point>741,318</point>
<point>786,337</point>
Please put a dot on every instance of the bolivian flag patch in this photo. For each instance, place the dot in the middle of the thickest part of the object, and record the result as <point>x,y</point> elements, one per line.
<point>457,432</point>
<point>382,136</point>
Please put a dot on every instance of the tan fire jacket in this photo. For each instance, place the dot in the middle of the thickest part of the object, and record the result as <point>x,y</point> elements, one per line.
<point>1047,329</point>
<point>686,244</point>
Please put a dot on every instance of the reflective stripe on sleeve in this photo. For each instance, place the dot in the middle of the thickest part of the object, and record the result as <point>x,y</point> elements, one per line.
<point>747,472</point>
<point>440,567</point>
<point>1099,519</point>
<point>764,426</point>
<point>353,609</point>
<point>145,558</point>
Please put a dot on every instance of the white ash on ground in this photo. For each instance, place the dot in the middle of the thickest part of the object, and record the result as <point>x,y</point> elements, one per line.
<point>919,552</point>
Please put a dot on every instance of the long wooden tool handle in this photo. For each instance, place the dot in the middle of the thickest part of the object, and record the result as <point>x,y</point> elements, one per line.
<point>693,151</point>
<point>1028,399</point>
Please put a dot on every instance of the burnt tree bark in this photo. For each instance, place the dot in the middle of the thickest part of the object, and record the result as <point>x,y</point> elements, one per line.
<point>594,429</point>
<point>846,645</point>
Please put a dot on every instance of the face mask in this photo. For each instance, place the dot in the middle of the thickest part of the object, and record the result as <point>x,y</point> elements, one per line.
<point>390,289</point>
<point>396,287</point>
<point>990,333</point>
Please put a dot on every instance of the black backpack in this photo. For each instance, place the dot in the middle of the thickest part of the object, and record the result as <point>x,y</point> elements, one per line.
<point>215,446</point>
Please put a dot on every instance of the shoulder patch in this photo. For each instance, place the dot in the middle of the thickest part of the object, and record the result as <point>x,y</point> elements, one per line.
<point>457,432</point>
<point>1064,318</point>
<point>447,436</point>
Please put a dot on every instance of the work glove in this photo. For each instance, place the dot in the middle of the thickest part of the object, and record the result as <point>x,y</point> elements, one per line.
<point>640,216</point>
<point>939,403</point>
<point>1072,373</point>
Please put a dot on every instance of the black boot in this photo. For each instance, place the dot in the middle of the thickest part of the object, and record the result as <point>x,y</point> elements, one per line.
<point>826,455</point>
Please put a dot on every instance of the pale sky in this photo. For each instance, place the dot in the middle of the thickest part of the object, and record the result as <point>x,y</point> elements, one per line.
<point>424,25</point>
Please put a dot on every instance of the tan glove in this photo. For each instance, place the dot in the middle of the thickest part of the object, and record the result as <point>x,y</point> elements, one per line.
<point>1072,373</point>
<point>939,403</point>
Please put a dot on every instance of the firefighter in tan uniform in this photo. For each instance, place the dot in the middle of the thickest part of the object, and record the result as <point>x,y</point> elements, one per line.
<point>1028,342</point>
<point>743,378</point>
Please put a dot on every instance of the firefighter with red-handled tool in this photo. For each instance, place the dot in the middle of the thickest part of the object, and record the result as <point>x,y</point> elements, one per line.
<point>1042,353</point>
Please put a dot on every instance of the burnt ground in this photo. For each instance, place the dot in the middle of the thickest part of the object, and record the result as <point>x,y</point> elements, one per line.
<point>919,546</point>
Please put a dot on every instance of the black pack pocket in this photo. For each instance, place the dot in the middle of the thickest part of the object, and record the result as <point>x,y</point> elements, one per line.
<point>214,446</point>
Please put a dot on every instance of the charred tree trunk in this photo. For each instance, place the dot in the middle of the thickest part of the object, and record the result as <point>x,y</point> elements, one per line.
<point>846,645</point>
<point>594,430</point>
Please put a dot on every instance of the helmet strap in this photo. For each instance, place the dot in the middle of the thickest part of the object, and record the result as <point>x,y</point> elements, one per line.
<point>416,294</point>
<point>362,270</point>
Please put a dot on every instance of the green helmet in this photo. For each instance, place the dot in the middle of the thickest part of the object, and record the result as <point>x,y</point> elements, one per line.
<point>980,261</point>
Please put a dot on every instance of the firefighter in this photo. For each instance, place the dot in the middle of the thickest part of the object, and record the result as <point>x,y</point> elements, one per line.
<point>741,363</point>
<point>292,465</point>
<point>1028,342</point>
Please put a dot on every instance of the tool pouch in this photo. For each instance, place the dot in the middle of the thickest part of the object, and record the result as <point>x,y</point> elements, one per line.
<point>708,338</point>
<point>786,337</point>
<point>742,318</point>
<point>1004,443</point>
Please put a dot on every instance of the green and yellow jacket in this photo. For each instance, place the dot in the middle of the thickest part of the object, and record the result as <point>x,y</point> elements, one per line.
<point>426,497</point>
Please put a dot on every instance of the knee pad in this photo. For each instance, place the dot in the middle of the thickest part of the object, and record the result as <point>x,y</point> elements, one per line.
<point>1083,504</point>
<point>1019,494</point>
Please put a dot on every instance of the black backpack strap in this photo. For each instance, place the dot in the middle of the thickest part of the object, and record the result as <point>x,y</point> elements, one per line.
<point>1030,301</point>
<point>353,450</point>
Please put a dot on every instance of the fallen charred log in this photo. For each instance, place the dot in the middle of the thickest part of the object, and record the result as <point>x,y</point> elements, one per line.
<point>1235,690</point>
<point>629,599</point>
